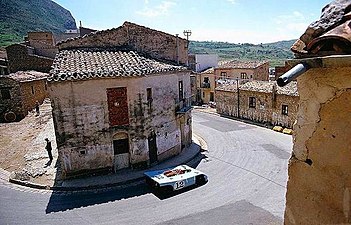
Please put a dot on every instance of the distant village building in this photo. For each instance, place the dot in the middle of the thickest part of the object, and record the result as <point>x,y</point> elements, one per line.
<point>115,104</point>
<point>19,93</point>
<point>260,101</point>
<point>207,85</point>
<point>36,53</point>
<point>201,62</point>
<point>244,71</point>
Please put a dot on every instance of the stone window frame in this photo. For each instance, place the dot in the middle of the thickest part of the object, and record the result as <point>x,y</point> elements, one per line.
<point>285,110</point>
<point>252,102</point>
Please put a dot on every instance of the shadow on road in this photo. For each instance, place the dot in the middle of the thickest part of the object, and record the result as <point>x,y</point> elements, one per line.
<point>62,201</point>
<point>66,200</point>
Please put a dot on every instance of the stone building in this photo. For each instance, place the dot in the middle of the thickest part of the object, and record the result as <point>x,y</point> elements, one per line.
<point>152,43</point>
<point>36,53</point>
<point>260,101</point>
<point>318,189</point>
<point>245,71</point>
<point>116,106</point>
<point>19,93</point>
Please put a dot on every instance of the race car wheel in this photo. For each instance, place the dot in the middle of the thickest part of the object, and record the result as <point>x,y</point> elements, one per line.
<point>200,180</point>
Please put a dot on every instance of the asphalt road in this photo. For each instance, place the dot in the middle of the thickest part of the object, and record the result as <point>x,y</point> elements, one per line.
<point>247,170</point>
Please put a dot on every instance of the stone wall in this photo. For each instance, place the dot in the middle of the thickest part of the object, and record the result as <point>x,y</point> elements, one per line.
<point>31,92</point>
<point>22,98</point>
<point>318,190</point>
<point>22,58</point>
<point>262,72</point>
<point>82,123</point>
<point>259,73</point>
<point>152,43</point>
<point>268,108</point>
<point>14,104</point>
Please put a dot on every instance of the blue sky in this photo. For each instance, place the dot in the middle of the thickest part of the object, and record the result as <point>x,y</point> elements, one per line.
<point>235,21</point>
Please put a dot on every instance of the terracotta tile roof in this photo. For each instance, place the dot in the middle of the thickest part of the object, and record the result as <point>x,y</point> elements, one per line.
<point>263,86</point>
<point>235,64</point>
<point>330,35</point>
<point>90,63</point>
<point>26,76</point>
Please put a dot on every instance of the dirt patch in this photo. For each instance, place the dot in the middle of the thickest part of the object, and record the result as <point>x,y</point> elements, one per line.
<point>22,146</point>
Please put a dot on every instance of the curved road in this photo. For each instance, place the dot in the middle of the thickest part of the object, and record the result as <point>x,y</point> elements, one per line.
<point>247,169</point>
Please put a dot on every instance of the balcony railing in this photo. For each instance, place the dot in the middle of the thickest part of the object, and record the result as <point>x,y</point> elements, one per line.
<point>205,85</point>
<point>183,105</point>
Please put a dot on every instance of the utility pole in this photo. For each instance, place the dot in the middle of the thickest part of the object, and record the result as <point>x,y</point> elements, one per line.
<point>177,49</point>
<point>187,33</point>
<point>238,95</point>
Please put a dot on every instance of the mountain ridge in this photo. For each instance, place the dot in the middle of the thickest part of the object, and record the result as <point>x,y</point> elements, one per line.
<point>17,17</point>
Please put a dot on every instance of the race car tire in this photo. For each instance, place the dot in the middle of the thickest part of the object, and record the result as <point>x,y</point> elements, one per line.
<point>200,180</point>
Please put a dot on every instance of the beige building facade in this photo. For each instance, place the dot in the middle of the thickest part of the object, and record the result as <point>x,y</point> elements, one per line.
<point>245,71</point>
<point>259,101</point>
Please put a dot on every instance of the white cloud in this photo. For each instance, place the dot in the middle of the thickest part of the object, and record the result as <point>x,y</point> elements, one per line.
<point>232,1</point>
<point>159,10</point>
<point>291,25</point>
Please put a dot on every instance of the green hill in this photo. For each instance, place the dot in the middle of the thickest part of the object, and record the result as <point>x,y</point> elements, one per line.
<point>276,52</point>
<point>17,17</point>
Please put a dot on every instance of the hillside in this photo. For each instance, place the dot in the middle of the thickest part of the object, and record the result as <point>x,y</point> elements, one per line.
<point>276,52</point>
<point>17,17</point>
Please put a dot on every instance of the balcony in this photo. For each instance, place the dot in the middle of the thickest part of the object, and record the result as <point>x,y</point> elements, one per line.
<point>183,106</point>
<point>205,85</point>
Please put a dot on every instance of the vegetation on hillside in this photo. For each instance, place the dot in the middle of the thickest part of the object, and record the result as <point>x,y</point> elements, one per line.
<point>276,52</point>
<point>17,17</point>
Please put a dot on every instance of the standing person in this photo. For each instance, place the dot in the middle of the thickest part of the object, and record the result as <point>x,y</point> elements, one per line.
<point>37,107</point>
<point>48,148</point>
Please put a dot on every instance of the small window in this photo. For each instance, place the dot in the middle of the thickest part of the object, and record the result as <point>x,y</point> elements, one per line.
<point>252,102</point>
<point>223,75</point>
<point>211,96</point>
<point>32,90</point>
<point>5,94</point>
<point>203,94</point>
<point>46,86</point>
<point>149,94</point>
<point>206,80</point>
<point>285,110</point>
<point>244,76</point>
<point>181,93</point>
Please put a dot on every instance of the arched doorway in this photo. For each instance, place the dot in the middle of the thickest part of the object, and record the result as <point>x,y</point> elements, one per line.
<point>121,151</point>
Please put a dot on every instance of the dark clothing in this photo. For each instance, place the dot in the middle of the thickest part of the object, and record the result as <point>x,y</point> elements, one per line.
<point>49,149</point>
<point>37,108</point>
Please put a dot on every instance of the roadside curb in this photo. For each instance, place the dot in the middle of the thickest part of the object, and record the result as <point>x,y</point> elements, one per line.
<point>92,187</point>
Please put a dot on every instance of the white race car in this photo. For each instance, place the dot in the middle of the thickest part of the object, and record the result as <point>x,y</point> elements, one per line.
<point>175,178</point>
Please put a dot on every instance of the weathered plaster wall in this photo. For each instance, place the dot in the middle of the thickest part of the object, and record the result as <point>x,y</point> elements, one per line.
<point>29,98</point>
<point>319,183</point>
<point>81,118</point>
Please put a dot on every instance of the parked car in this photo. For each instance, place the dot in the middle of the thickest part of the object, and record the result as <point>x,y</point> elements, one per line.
<point>175,178</point>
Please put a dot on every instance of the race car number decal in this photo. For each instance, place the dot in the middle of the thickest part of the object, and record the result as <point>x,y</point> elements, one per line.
<point>179,184</point>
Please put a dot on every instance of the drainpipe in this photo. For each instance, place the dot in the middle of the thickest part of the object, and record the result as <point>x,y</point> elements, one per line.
<point>292,74</point>
<point>237,91</point>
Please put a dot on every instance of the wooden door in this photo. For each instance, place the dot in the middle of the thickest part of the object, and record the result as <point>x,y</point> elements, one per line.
<point>117,106</point>
<point>121,154</point>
